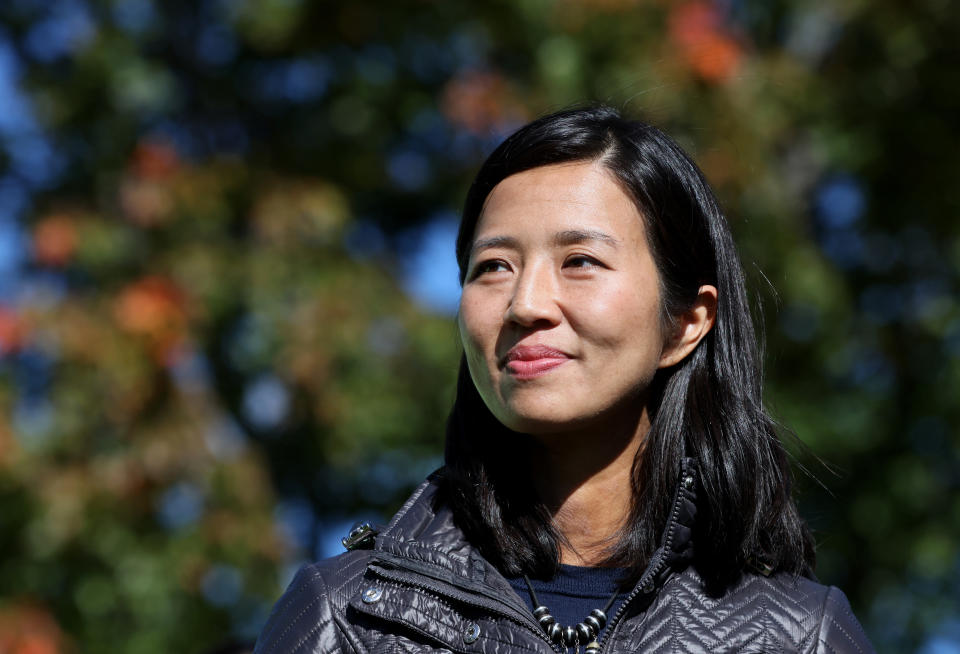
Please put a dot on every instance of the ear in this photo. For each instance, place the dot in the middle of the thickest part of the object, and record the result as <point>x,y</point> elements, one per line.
<point>691,327</point>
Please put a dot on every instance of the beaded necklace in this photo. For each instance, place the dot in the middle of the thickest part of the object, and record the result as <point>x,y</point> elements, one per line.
<point>572,636</point>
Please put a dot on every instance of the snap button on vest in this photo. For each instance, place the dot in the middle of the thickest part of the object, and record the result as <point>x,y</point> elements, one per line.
<point>371,595</point>
<point>472,633</point>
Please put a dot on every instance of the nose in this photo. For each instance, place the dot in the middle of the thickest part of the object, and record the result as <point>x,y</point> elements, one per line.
<point>534,298</point>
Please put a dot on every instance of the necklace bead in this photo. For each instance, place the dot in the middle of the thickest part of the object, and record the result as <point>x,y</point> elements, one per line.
<point>600,617</point>
<point>555,631</point>
<point>593,623</point>
<point>569,636</point>
<point>584,633</point>
<point>542,614</point>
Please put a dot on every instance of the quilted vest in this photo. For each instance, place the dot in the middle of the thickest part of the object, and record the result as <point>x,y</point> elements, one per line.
<point>423,588</point>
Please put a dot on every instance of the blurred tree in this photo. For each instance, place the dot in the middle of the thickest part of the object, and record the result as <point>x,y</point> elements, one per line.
<point>209,212</point>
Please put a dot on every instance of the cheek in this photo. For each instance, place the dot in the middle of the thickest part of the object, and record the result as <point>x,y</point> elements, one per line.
<point>473,329</point>
<point>618,315</point>
<point>474,349</point>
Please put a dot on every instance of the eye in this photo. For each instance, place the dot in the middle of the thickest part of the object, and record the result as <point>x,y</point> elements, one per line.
<point>489,266</point>
<point>582,261</point>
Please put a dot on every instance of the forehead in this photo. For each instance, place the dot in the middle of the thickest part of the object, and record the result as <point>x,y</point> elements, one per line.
<point>569,196</point>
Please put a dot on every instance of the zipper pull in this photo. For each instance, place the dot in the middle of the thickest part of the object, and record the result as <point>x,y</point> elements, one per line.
<point>360,537</point>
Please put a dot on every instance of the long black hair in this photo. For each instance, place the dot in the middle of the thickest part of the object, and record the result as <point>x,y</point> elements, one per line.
<point>708,406</point>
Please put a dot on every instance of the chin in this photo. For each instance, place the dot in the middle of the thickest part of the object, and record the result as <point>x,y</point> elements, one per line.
<point>538,422</point>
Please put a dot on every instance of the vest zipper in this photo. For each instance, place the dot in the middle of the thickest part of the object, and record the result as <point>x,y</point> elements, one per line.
<point>647,583</point>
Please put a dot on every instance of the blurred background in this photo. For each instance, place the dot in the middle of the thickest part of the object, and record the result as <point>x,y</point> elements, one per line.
<point>227,278</point>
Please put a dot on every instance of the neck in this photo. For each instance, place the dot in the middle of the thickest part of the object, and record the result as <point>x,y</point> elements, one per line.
<point>585,478</point>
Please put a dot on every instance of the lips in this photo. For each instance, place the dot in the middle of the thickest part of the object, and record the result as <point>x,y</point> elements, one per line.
<point>531,361</point>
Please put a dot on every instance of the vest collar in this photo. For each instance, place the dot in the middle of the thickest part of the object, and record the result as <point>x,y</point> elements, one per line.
<point>421,534</point>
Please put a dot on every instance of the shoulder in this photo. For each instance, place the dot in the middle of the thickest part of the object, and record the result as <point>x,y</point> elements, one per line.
<point>306,618</point>
<point>821,615</point>
<point>840,631</point>
<point>780,612</point>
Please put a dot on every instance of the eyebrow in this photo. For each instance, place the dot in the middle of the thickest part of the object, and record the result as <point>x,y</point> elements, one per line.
<point>494,242</point>
<point>574,236</point>
<point>560,239</point>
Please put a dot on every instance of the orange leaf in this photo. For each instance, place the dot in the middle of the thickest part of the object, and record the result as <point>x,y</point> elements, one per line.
<point>55,240</point>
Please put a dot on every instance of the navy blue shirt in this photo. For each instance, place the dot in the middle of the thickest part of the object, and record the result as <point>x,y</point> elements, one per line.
<point>574,592</point>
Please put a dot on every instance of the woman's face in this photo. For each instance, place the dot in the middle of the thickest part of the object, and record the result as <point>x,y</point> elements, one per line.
<point>560,311</point>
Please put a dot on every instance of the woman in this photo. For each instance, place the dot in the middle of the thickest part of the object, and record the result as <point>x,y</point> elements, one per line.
<point>612,482</point>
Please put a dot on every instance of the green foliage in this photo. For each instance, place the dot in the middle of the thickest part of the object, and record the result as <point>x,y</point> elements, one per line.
<point>211,329</point>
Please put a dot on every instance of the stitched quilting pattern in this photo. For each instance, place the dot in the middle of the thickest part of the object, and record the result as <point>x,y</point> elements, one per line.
<point>777,614</point>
